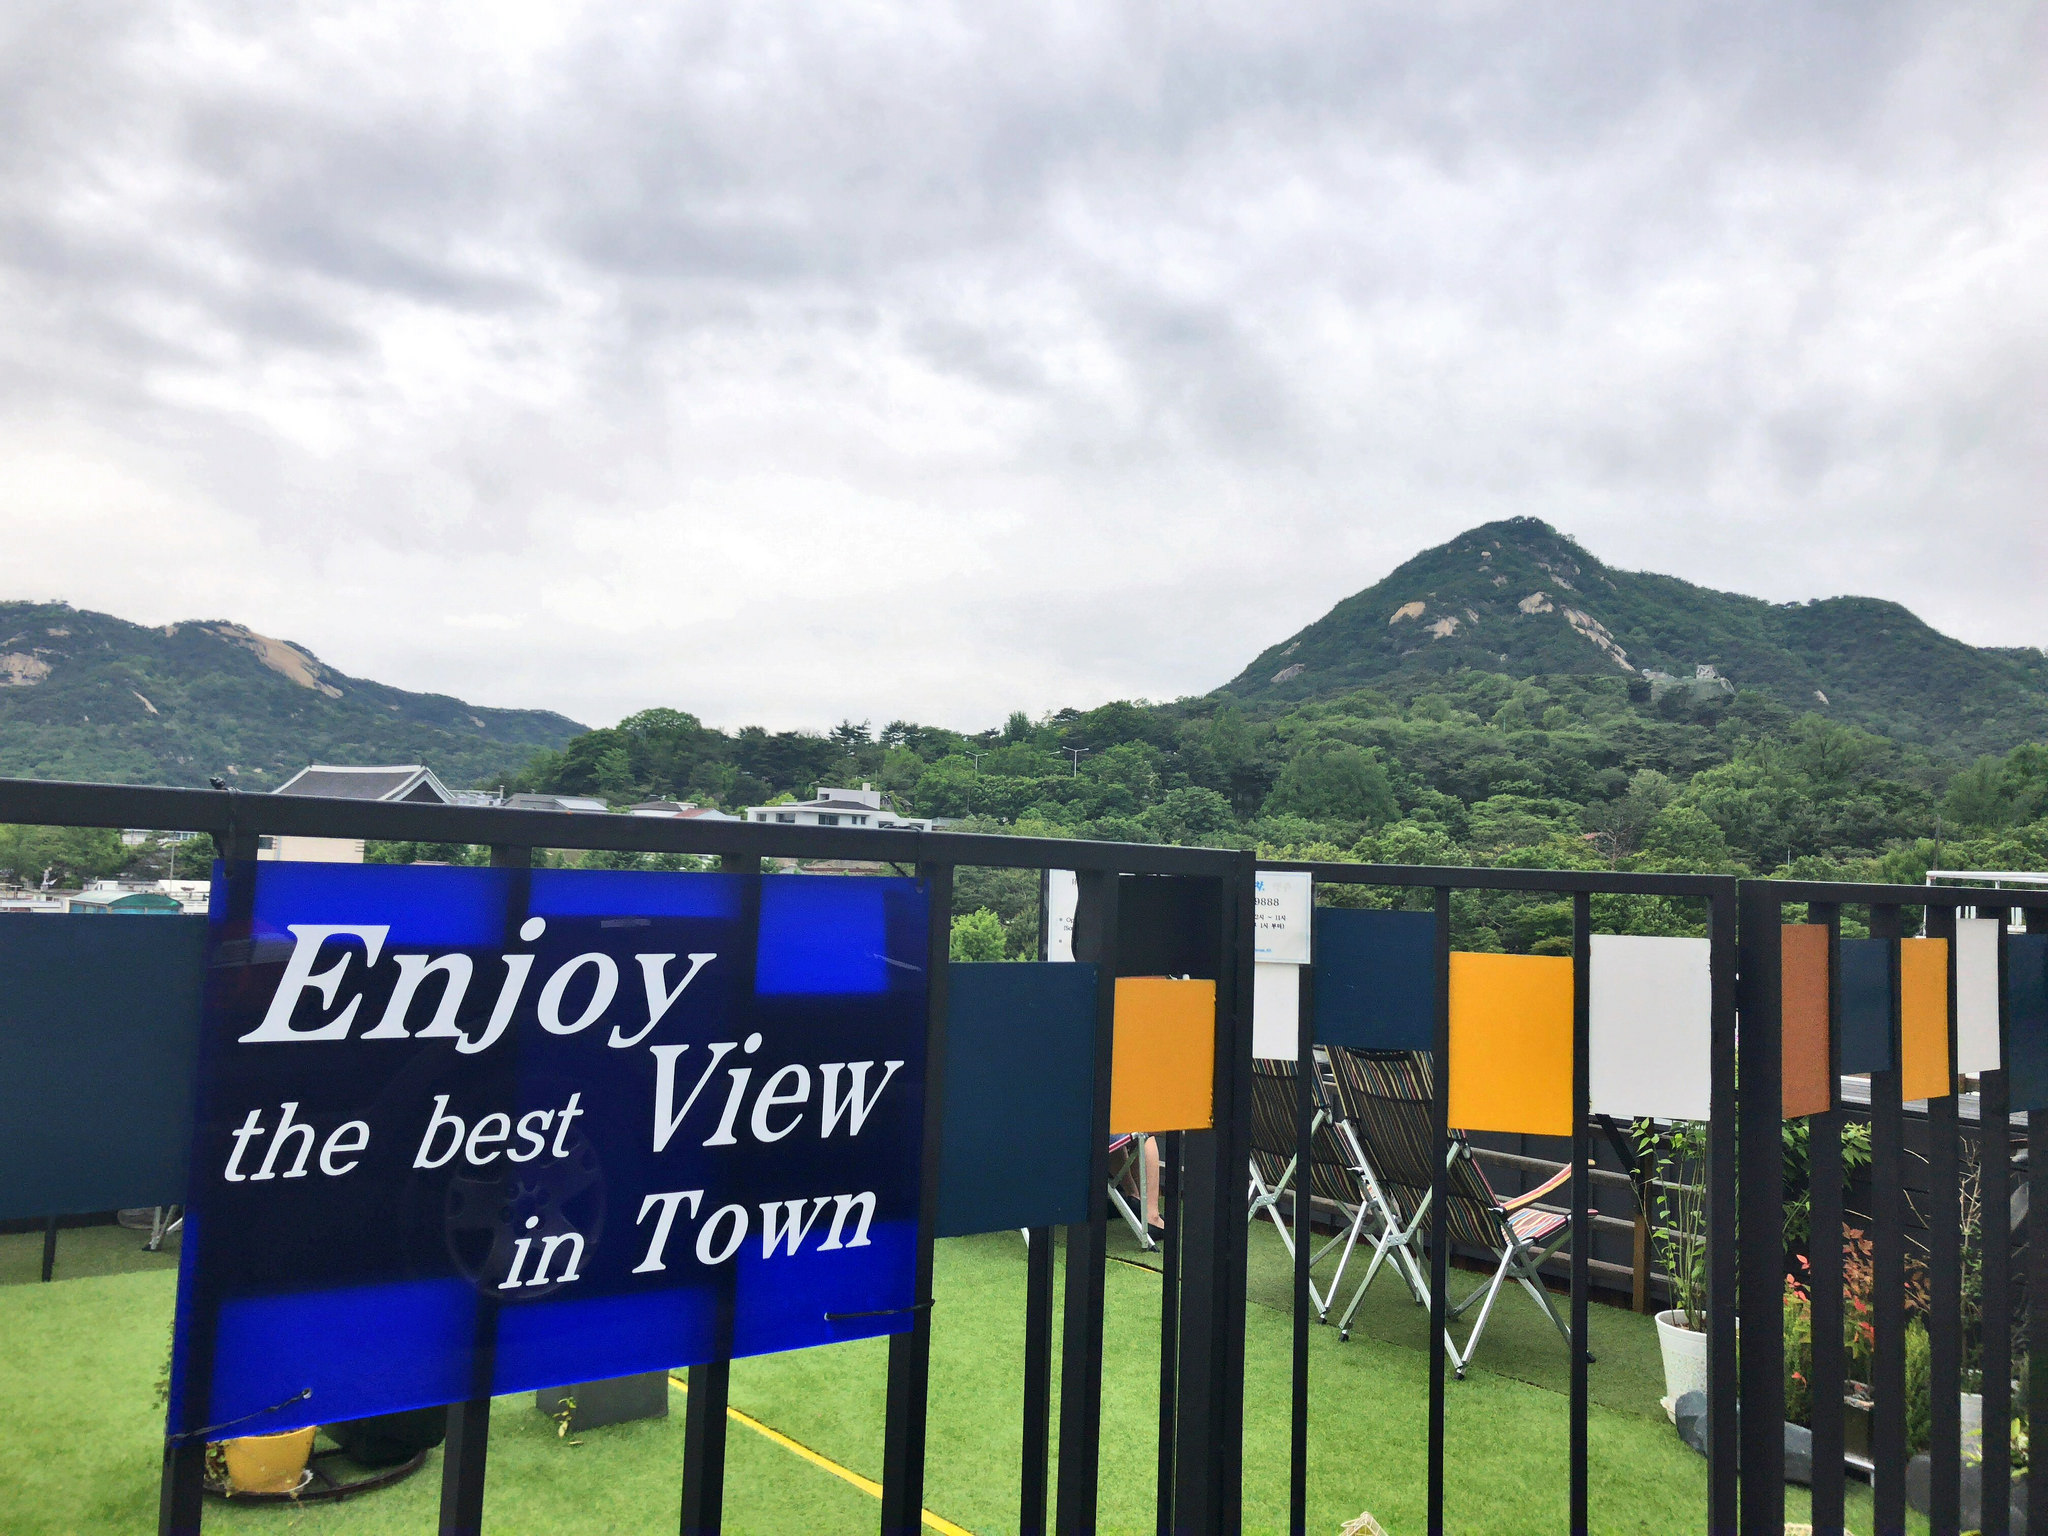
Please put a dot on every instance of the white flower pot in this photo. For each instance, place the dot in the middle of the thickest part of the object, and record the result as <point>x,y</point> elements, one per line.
<point>1685,1357</point>
<point>1973,1428</point>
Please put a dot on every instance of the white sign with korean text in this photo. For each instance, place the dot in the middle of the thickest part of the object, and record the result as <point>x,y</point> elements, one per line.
<point>1284,904</point>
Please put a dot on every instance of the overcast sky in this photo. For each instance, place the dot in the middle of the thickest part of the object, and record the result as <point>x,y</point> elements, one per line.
<point>783,362</point>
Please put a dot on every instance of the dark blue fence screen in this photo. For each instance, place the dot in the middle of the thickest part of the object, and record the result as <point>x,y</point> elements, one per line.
<point>99,1025</point>
<point>1375,979</point>
<point>1020,1078</point>
<point>2026,1020</point>
<point>1866,1005</point>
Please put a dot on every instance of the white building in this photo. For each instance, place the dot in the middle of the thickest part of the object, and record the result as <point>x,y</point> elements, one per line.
<point>863,807</point>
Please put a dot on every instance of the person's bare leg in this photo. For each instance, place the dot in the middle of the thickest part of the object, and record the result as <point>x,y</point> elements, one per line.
<point>1152,1218</point>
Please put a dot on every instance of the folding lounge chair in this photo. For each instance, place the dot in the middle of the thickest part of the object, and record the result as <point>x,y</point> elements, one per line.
<point>1387,1098</point>
<point>1273,1148</point>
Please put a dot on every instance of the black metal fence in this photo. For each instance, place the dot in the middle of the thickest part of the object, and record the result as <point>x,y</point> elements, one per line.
<point>1916,1187</point>
<point>1890,1213</point>
<point>1719,894</point>
<point>1203,1320</point>
<point>1202,1345</point>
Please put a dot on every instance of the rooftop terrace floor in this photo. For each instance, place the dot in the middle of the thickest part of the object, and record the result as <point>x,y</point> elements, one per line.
<point>79,1425</point>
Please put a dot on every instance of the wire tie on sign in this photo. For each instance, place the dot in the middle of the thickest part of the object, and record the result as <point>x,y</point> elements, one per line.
<point>211,1429</point>
<point>847,1317</point>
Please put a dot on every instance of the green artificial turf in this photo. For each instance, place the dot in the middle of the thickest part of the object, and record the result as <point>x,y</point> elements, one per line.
<point>79,1426</point>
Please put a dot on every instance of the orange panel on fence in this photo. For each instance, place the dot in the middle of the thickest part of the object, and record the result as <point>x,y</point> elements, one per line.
<point>1163,1067</point>
<point>1511,1044</point>
<point>1923,1020</point>
<point>1803,993</point>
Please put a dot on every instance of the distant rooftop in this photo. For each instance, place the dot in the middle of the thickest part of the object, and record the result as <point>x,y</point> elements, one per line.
<point>867,797</point>
<point>587,803</point>
<point>401,781</point>
<point>687,810</point>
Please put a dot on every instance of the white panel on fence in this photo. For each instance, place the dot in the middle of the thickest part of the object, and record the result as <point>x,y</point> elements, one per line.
<point>1276,1011</point>
<point>1062,896</point>
<point>1652,1024</point>
<point>1283,905</point>
<point>1977,995</point>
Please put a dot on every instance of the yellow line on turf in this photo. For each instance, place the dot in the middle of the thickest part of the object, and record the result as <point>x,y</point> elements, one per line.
<point>1134,1264</point>
<point>866,1485</point>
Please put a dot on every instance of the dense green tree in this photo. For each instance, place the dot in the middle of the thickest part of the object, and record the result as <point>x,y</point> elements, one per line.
<point>68,856</point>
<point>1567,771</point>
<point>1337,783</point>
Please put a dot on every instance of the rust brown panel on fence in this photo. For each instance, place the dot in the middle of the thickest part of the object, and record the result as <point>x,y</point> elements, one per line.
<point>1804,967</point>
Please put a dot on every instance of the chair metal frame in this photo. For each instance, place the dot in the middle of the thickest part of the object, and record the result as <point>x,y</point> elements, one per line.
<point>1520,1238</point>
<point>1263,1195</point>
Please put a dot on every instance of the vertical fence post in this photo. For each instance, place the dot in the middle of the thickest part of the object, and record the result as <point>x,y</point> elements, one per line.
<point>1031,1489</point>
<point>1723,1450</point>
<point>1081,1354</point>
<point>1304,1235</point>
<point>1824,1255</point>
<point>1761,1199</point>
<point>465,1454</point>
<point>1994,1249</point>
<point>1439,1221</point>
<point>1209,1436</point>
<point>1582,1194</point>
<point>1888,1258</point>
<point>704,1447</point>
<point>1035,1459</point>
<point>1945,1274</point>
<point>463,1460</point>
<point>2037,1288</point>
<point>910,1354</point>
<point>1169,1328</point>
<point>710,1383</point>
<point>181,1496</point>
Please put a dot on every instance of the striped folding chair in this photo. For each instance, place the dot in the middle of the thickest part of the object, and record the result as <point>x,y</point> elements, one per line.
<point>1386,1097</point>
<point>1331,1176</point>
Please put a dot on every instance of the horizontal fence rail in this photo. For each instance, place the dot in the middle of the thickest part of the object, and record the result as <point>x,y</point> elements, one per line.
<point>232,812</point>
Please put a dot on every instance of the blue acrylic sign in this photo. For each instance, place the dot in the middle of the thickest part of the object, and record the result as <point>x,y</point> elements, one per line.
<point>468,1131</point>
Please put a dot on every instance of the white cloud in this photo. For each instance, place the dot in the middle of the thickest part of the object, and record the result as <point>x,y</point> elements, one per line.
<point>784,363</point>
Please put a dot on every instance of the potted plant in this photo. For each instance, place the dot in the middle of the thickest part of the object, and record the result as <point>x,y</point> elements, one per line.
<point>262,1463</point>
<point>1676,1160</point>
<point>1859,1348</point>
<point>252,1463</point>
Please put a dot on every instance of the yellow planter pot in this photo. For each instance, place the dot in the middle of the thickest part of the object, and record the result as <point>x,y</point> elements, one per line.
<point>268,1463</point>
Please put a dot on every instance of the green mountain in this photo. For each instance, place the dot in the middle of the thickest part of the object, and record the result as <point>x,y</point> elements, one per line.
<point>1517,597</point>
<point>87,696</point>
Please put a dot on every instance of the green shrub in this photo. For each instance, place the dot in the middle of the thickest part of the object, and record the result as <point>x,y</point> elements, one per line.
<point>977,935</point>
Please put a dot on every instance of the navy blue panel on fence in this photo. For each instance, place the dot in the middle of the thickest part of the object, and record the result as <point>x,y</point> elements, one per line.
<point>99,1024</point>
<point>462,1128</point>
<point>1375,979</point>
<point>1866,1005</point>
<point>1020,1069</point>
<point>2026,1019</point>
